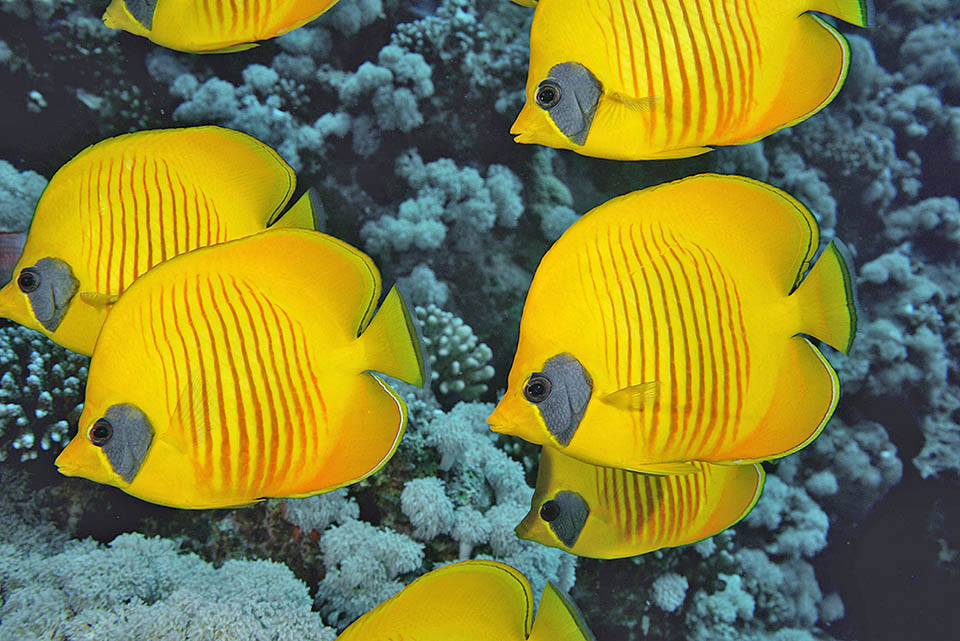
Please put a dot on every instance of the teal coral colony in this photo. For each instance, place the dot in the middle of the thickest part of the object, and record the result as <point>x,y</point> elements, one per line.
<point>395,118</point>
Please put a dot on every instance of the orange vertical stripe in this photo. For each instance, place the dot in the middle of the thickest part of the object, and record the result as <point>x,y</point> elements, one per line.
<point>631,48</point>
<point>751,64</point>
<point>734,41</point>
<point>726,398</point>
<point>717,83</point>
<point>652,121</point>
<point>243,456</point>
<point>698,69</point>
<point>665,74</point>
<point>711,355</point>
<point>654,324</point>
<point>677,424</point>
<point>698,363</point>
<point>253,433</point>
<point>609,282</point>
<point>684,81</point>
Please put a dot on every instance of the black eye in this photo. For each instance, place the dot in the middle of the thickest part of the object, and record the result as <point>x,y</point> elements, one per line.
<point>548,94</point>
<point>28,280</point>
<point>537,388</point>
<point>549,511</point>
<point>100,432</point>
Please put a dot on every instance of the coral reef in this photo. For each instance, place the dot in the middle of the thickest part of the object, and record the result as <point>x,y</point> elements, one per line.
<point>41,393</point>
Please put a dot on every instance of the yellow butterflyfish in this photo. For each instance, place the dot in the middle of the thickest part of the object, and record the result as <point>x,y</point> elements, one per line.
<point>245,370</point>
<point>472,601</point>
<point>126,204</point>
<point>606,513</point>
<point>671,325</point>
<point>641,79</point>
<point>211,26</point>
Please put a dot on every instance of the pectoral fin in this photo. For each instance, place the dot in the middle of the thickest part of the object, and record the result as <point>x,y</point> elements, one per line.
<point>664,469</point>
<point>96,299</point>
<point>635,397</point>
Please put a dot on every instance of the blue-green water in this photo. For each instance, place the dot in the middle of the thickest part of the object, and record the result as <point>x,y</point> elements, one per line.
<point>398,114</point>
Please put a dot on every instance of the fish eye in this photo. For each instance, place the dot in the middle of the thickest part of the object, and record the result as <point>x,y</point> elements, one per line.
<point>100,432</point>
<point>537,388</point>
<point>548,94</point>
<point>29,280</point>
<point>549,511</point>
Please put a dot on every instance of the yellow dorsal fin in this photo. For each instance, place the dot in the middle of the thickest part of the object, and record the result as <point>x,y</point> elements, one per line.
<point>635,397</point>
<point>96,299</point>
<point>558,619</point>
<point>746,220</point>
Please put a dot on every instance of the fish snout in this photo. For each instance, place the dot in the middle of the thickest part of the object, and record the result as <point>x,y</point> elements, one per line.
<point>528,125</point>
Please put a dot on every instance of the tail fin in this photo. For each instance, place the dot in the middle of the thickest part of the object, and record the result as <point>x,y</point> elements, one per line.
<point>828,306</point>
<point>393,343</point>
<point>558,619</point>
<point>137,19</point>
<point>858,12</point>
<point>306,213</point>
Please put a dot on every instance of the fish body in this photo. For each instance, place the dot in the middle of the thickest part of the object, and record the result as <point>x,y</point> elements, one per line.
<point>641,79</point>
<point>471,601</point>
<point>607,513</point>
<point>244,370</point>
<point>128,203</point>
<point>211,26</point>
<point>670,325</point>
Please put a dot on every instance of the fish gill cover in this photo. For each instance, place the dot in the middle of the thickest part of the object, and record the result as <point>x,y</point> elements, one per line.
<point>398,113</point>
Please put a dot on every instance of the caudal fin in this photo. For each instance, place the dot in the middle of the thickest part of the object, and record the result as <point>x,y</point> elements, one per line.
<point>858,12</point>
<point>558,619</point>
<point>827,301</point>
<point>306,213</point>
<point>392,342</point>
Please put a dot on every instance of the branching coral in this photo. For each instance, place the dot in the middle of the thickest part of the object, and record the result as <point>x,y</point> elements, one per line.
<point>41,393</point>
<point>143,588</point>
<point>458,361</point>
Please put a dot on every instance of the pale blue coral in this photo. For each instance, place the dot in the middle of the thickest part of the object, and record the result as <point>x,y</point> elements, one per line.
<point>140,587</point>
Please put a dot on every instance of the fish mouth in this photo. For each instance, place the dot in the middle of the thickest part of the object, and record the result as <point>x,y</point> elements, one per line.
<point>527,125</point>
